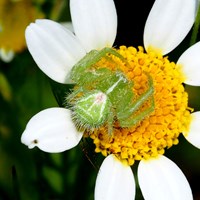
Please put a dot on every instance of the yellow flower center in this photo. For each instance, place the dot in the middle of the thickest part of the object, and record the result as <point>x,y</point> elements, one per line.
<point>14,18</point>
<point>161,129</point>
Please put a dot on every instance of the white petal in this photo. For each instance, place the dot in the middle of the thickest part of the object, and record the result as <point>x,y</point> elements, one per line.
<point>190,63</point>
<point>160,178</point>
<point>115,181</point>
<point>168,23</point>
<point>6,55</point>
<point>54,48</point>
<point>51,130</point>
<point>193,136</point>
<point>95,22</point>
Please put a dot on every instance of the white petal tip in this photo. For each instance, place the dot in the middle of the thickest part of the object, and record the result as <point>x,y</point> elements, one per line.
<point>54,48</point>
<point>51,130</point>
<point>190,62</point>
<point>6,55</point>
<point>160,178</point>
<point>115,181</point>
<point>193,135</point>
<point>101,20</point>
<point>168,24</point>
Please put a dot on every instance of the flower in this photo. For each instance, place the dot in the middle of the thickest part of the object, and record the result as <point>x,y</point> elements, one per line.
<point>15,15</point>
<point>53,130</point>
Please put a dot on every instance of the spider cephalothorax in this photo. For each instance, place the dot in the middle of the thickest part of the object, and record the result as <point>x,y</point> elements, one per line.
<point>103,96</point>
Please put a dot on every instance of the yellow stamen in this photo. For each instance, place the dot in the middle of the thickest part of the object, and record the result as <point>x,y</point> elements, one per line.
<point>161,129</point>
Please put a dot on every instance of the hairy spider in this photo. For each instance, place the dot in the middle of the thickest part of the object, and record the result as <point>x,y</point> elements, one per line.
<point>106,95</point>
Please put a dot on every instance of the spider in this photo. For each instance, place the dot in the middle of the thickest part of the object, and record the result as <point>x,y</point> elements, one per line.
<point>106,95</point>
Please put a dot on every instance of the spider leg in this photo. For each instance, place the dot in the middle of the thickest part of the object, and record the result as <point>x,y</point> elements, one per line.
<point>90,59</point>
<point>93,77</point>
<point>130,109</point>
<point>136,119</point>
<point>110,122</point>
<point>72,96</point>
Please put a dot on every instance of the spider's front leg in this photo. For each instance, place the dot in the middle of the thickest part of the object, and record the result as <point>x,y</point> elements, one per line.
<point>110,122</point>
<point>80,69</point>
<point>125,115</point>
<point>128,122</point>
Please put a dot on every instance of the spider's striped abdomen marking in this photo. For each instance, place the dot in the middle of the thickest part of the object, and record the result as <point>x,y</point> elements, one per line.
<point>92,109</point>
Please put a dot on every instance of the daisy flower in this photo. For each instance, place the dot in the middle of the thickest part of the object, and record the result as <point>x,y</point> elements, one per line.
<point>56,50</point>
<point>15,15</point>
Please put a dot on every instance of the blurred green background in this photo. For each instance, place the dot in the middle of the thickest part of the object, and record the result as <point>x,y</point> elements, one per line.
<point>24,90</point>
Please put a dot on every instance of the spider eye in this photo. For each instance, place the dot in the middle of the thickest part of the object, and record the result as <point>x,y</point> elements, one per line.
<point>92,109</point>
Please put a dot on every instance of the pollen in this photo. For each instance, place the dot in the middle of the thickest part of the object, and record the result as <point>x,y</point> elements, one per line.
<point>14,18</point>
<point>161,129</point>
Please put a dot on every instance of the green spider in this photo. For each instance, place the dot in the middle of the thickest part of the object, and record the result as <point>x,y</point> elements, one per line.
<point>107,95</point>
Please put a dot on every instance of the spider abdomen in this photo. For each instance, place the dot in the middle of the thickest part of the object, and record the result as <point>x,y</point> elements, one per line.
<point>92,109</point>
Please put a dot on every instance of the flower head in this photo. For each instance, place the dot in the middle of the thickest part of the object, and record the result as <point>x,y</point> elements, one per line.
<point>14,17</point>
<point>146,117</point>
